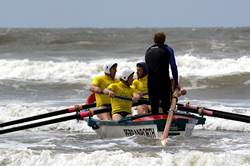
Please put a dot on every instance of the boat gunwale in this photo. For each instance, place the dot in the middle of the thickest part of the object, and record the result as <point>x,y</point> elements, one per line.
<point>178,117</point>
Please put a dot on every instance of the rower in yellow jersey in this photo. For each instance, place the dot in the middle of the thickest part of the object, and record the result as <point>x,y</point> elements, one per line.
<point>120,107</point>
<point>141,84</point>
<point>99,83</point>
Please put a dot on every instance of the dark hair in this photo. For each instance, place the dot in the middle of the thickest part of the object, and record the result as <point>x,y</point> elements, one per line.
<point>159,38</point>
<point>143,65</point>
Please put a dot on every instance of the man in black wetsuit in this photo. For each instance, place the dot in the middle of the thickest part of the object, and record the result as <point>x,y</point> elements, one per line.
<point>158,58</point>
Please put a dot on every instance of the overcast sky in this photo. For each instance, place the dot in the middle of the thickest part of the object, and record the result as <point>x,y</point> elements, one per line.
<point>124,13</point>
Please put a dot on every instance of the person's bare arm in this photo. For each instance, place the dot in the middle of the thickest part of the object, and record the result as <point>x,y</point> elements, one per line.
<point>109,92</point>
<point>95,89</point>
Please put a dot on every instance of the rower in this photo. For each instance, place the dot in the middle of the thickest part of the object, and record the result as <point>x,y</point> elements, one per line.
<point>99,83</point>
<point>141,84</point>
<point>120,107</point>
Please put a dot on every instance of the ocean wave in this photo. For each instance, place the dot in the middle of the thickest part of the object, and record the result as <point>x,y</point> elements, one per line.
<point>119,157</point>
<point>50,71</point>
<point>203,67</point>
<point>237,80</point>
<point>190,67</point>
<point>6,39</point>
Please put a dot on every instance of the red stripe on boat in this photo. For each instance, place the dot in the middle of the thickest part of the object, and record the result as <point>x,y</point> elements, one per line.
<point>157,117</point>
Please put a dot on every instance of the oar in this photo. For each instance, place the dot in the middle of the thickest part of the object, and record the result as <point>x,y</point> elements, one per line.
<point>214,113</point>
<point>170,117</point>
<point>78,115</point>
<point>91,99</point>
<point>139,102</point>
<point>50,114</point>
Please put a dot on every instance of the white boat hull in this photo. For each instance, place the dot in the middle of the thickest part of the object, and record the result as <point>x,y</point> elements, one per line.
<point>149,131</point>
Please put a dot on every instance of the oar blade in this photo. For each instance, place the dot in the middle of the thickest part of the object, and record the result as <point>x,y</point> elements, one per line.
<point>164,142</point>
<point>167,127</point>
<point>165,133</point>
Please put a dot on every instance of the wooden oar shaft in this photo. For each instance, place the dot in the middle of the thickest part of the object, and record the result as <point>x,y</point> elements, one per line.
<point>46,115</point>
<point>179,93</point>
<point>169,121</point>
<point>214,113</point>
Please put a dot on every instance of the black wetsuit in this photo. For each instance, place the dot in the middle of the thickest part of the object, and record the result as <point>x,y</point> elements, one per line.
<point>157,59</point>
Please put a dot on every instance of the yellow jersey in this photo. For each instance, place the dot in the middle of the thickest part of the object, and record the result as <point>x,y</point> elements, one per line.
<point>141,85</point>
<point>121,105</point>
<point>102,82</point>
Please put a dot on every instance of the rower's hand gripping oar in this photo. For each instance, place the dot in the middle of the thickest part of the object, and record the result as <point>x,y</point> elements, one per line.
<point>177,93</point>
<point>140,101</point>
<point>78,115</point>
<point>50,114</point>
<point>214,113</point>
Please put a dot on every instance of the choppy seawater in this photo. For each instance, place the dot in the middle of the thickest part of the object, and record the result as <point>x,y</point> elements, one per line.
<point>44,70</point>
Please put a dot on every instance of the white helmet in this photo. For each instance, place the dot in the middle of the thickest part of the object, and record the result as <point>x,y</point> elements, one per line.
<point>126,73</point>
<point>108,66</point>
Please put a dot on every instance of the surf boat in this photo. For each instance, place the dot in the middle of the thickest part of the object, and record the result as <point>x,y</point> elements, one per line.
<point>151,126</point>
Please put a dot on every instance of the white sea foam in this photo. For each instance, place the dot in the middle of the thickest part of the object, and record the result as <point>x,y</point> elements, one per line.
<point>223,124</point>
<point>180,158</point>
<point>203,67</point>
<point>43,70</point>
<point>77,71</point>
<point>247,82</point>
